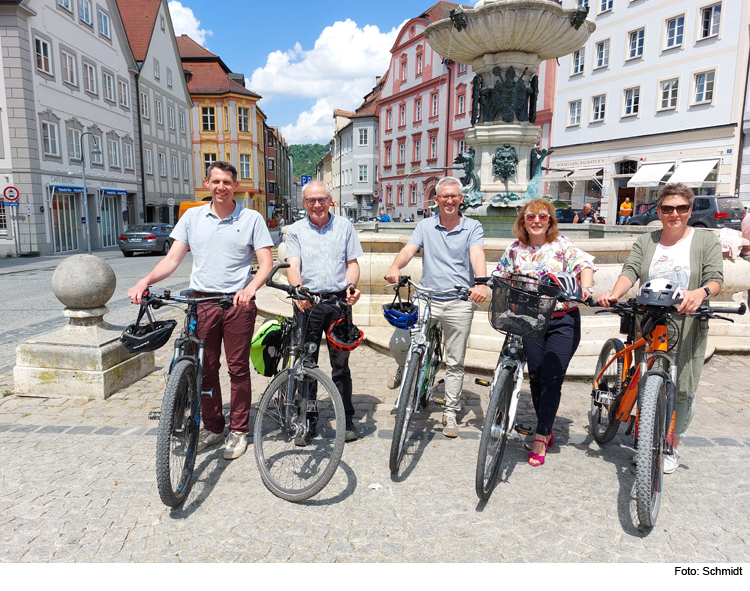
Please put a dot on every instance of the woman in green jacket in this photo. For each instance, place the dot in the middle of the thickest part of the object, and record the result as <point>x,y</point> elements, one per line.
<point>691,258</point>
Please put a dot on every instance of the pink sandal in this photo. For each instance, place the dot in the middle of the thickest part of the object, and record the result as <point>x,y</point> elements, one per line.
<point>537,457</point>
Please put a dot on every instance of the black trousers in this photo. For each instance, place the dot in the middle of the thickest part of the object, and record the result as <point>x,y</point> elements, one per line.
<point>547,360</point>
<point>319,319</point>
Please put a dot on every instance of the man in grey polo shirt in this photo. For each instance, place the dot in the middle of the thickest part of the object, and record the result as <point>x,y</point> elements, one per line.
<point>223,236</point>
<point>322,250</point>
<point>453,254</point>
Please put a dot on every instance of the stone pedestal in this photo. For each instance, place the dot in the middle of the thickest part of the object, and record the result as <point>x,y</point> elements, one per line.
<point>85,359</point>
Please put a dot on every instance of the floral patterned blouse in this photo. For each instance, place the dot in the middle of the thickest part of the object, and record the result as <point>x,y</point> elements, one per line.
<point>560,255</point>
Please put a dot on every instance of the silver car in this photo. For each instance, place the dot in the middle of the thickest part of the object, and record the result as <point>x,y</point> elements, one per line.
<point>146,238</point>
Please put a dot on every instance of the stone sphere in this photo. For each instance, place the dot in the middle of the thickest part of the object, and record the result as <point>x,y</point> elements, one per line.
<point>83,281</point>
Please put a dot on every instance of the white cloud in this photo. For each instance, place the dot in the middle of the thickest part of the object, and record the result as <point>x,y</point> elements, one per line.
<point>185,23</point>
<point>338,72</point>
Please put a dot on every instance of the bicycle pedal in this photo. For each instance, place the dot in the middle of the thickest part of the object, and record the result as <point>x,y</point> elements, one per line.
<point>523,430</point>
<point>154,415</point>
<point>439,400</point>
<point>481,382</point>
<point>441,382</point>
<point>207,393</point>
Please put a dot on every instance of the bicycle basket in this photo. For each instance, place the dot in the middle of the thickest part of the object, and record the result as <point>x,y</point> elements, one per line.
<point>520,305</point>
<point>265,349</point>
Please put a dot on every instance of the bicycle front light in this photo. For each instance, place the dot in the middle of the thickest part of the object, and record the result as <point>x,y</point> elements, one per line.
<point>419,339</point>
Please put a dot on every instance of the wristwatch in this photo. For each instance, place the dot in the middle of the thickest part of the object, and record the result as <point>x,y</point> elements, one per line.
<point>708,292</point>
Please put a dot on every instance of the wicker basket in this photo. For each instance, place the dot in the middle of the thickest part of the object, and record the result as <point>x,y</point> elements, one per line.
<point>517,306</point>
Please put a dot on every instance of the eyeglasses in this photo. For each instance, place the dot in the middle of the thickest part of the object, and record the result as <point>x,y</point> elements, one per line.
<point>667,209</point>
<point>543,217</point>
<point>453,196</point>
<point>320,200</point>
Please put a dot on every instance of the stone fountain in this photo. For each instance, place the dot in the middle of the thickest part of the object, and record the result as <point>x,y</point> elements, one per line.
<point>505,41</point>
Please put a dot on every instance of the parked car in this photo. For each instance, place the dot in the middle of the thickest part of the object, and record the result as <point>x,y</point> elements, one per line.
<point>566,215</point>
<point>366,218</point>
<point>643,219</point>
<point>709,211</point>
<point>146,238</point>
<point>300,215</point>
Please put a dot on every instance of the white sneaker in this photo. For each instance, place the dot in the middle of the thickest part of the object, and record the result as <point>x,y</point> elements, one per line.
<point>207,439</point>
<point>395,381</point>
<point>671,462</point>
<point>236,445</point>
<point>450,427</point>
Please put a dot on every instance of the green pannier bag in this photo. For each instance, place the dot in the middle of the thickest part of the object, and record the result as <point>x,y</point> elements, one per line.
<point>265,349</point>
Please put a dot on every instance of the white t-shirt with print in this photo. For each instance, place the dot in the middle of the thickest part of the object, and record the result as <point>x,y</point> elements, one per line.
<point>673,262</point>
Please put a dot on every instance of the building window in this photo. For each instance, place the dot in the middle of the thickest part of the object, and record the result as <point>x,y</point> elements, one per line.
<point>271,164</point>
<point>574,113</point>
<point>704,87</point>
<point>148,161</point>
<point>401,153</point>
<point>104,24</point>
<point>209,119</point>
<point>69,69</point>
<point>433,147</point>
<point>66,4</point>
<point>156,69</point>
<point>710,20</point>
<point>605,5</point>
<point>389,119</point>
<point>243,119</point>
<point>404,67</point>
<point>3,218</point>
<point>583,3</point>
<point>417,150</point>
<point>669,89</point>
<point>162,164</point>
<point>598,107</point>
<point>400,196</point>
<point>185,169</point>
<point>578,60</point>
<point>632,101</point>
<point>114,153</point>
<point>144,105</point>
<point>244,166</point>
<point>461,146</point>
<point>74,144</point>
<point>97,158</point>
<point>169,78</point>
<point>419,64</point>
<point>182,122</point>
<point>435,105</point>
<point>462,68</point>
<point>272,187</point>
<point>402,115</point>
<point>389,194</point>
<point>418,110</point>
<point>159,113</point>
<point>362,137</point>
<point>675,27</point>
<point>43,62</point>
<point>602,54</point>
<point>363,173</point>
<point>162,24</point>
<point>84,11</point>
<point>122,93</point>
<point>388,156</point>
<point>461,104</point>
<point>89,78</point>
<point>635,44</point>
<point>226,119</point>
<point>413,195</point>
<point>129,164</point>
<point>171,117</point>
<point>175,170</point>
<point>270,139</point>
<point>109,86</point>
<point>49,139</point>
<point>208,160</point>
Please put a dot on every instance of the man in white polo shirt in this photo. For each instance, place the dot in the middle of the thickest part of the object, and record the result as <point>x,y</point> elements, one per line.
<point>223,236</point>
<point>453,254</point>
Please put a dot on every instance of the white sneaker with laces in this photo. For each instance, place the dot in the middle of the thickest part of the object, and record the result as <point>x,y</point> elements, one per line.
<point>671,462</point>
<point>207,439</point>
<point>236,445</point>
<point>450,427</point>
<point>395,381</point>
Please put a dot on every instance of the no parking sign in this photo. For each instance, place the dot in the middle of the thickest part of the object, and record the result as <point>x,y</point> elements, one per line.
<point>11,195</point>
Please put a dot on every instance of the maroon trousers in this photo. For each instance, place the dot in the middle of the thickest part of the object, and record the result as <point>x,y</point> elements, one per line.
<point>235,327</point>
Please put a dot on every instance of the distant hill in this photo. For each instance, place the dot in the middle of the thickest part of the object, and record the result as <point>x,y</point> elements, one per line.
<point>306,156</point>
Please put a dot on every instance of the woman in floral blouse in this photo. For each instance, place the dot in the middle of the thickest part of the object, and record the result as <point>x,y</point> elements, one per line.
<point>538,250</point>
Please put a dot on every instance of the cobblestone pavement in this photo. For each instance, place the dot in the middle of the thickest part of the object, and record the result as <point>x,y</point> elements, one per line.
<point>77,483</point>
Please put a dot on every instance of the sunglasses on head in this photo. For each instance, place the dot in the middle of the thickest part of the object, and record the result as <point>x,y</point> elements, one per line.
<point>670,208</point>
<point>543,217</point>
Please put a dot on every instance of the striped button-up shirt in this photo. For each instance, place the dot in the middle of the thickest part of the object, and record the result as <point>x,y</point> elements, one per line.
<point>323,252</point>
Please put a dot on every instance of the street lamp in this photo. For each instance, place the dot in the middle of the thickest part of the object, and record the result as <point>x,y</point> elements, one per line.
<point>94,152</point>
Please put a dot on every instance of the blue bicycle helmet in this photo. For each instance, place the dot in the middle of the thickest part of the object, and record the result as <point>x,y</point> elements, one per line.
<point>401,313</point>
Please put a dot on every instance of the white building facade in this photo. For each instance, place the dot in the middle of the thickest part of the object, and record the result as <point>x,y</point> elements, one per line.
<point>357,165</point>
<point>656,95</point>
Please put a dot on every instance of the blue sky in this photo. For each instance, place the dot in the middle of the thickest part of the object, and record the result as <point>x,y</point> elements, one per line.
<point>304,58</point>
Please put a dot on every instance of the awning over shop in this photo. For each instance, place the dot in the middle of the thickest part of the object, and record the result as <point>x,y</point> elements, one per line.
<point>350,204</point>
<point>650,174</point>
<point>586,174</point>
<point>694,173</point>
<point>555,176</point>
<point>66,189</point>
<point>114,192</point>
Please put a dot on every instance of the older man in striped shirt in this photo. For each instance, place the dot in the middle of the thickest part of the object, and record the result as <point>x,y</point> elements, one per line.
<point>322,251</point>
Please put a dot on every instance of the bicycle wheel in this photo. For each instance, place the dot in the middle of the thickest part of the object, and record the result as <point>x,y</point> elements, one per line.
<point>177,435</point>
<point>652,410</point>
<point>296,469</point>
<point>409,392</point>
<point>494,434</point>
<point>432,366</point>
<point>602,416</point>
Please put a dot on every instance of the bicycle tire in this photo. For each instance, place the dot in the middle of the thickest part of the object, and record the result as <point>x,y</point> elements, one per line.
<point>297,472</point>
<point>431,368</point>
<point>407,397</point>
<point>652,408</point>
<point>494,434</point>
<point>602,420</point>
<point>177,435</point>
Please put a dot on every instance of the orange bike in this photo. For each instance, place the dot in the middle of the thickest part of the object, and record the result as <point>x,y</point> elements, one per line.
<point>619,383</point>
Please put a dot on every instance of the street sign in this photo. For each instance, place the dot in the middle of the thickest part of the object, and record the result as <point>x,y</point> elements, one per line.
<point>170,201</point>
<point>304,179</point>
<point>10,203</point>
<point>375,193</point>
<point>11,194</point>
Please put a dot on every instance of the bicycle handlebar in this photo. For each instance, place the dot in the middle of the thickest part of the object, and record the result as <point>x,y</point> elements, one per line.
<point>156,301</point>
<point>297,292</point>
<point>630,307</point>
<point>404,280</point>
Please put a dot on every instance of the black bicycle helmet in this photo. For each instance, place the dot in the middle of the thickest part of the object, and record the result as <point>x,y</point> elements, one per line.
<point>659,292</point>
<point>567,283</point>
<point>141,338</point>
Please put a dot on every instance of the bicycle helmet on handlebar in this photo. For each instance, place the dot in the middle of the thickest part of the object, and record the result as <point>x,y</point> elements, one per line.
<point>659,292</point>
<point>343,335</point>
<point>139,338</point>
<point>567,283</point>
<point>401,313</point>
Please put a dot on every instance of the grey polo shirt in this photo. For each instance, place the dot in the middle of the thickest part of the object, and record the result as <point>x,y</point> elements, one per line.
<point>445,255</point>
<point>222,250</point>
<point>323,252</point>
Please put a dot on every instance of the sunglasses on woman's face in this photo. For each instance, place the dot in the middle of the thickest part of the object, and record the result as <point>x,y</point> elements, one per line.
<point>543,217</point>
<point>667,209</point>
